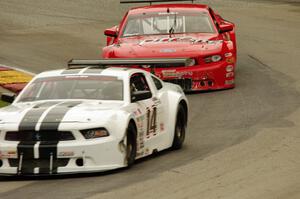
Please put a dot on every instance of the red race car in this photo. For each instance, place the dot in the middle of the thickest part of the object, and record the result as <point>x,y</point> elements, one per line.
<point>178,31</point>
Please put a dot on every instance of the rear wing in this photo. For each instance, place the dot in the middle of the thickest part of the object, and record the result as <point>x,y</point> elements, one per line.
<point>150,1</point>
<point>145,63</point>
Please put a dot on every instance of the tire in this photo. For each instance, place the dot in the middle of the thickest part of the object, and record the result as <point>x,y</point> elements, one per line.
<point>130,145</point>
<point>180,128</point>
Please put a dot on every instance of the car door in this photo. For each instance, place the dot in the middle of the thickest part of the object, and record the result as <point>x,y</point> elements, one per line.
<point>160,99</point>
<point>147,121</point>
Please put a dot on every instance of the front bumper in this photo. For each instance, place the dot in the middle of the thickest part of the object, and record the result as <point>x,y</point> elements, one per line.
<point>211,76</point>
<point>71,157</point>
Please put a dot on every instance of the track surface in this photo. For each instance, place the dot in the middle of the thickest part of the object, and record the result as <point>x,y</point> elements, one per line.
<point>241,143</point>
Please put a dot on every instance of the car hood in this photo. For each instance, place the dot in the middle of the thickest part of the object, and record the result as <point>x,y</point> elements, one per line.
<point>164,46</point>
<point>81,111</point>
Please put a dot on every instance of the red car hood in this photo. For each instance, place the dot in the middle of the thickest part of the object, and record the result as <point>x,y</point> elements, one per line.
<point>164,46</point>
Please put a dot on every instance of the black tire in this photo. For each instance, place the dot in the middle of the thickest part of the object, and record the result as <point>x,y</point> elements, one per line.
<point>131,145</point>
<point>180,128</point>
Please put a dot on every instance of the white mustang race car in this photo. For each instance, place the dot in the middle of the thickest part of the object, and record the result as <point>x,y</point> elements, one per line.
<point>91,118</point>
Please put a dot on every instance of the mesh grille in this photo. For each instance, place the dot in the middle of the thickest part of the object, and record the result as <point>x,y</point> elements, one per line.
<point>39,136</point>
<point>186,84</point>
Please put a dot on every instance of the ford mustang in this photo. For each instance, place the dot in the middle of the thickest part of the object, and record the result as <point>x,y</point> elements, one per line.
<point>178,30</point>
<point>90,117</point>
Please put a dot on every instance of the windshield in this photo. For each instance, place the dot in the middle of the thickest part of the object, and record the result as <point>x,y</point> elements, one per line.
<point>74,87</point>
<point>167,23</point>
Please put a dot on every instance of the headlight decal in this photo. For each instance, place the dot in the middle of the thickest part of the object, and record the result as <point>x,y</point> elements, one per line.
<point>94,133</point>
<point>213,58</point>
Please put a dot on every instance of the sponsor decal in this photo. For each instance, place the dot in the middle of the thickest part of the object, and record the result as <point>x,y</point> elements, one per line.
<point>228,54</point>
<point>202,84</point>
<point>8,154</point>
<point>140,140</point>
<point>147,151</point>
<point>169,73</point>
<point>141,132</point>
<point>162,127</point>
<point>230,60</point>
<point>167,50</point>
<point>65,154</point>
<point>229,82</point>
<point>175,74</point>
<point>229,75</point>
<point>214,42</point>
<point>185,39</point>
<point>139,111</point>
<point>196,85</point>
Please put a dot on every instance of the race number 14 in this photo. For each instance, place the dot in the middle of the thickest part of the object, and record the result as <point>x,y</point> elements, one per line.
<point>151,121</point>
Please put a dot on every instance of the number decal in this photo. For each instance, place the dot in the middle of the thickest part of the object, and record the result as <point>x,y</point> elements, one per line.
<point>153,126</point>
<point>148,122</point>
<point>151,121</point>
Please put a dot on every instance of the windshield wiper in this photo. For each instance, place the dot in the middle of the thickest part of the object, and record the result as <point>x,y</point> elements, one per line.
<point>172,29</point>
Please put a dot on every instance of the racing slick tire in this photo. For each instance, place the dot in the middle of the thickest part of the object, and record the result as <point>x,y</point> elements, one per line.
<point>130,145</point>
<point>180,128</point>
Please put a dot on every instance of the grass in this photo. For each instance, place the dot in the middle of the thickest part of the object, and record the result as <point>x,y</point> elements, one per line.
<point>2,104</point>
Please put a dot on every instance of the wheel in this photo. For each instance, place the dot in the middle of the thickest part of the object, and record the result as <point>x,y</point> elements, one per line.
<point>130,145</point>
<point>180,128</point>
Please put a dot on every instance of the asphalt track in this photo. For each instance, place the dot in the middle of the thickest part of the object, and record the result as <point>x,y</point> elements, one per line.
<point>241,143</point>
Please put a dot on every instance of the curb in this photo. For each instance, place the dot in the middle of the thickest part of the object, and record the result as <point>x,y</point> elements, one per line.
<point>14,79</point>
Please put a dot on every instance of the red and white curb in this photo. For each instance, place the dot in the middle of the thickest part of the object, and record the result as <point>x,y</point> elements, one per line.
<point>14,78</point>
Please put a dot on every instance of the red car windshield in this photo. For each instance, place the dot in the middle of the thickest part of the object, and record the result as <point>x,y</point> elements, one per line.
<point>166,23</point>
<point>74,87</point>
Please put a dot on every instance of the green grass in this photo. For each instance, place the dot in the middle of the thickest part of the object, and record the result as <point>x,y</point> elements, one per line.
<point>2,104</point>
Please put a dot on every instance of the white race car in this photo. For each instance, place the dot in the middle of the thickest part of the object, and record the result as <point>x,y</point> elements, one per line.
<point>90,118</point>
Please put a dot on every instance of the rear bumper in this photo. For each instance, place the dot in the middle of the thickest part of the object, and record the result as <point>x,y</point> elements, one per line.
<point>212,76</point>
<point>71,157</point>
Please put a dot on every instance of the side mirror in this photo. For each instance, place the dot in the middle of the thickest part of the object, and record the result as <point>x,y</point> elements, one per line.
<point>111,32</point>
<point>8,97</point>
<point>140,95</point>
<point>225,27</point>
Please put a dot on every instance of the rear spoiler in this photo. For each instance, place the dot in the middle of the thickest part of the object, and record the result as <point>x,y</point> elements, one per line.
<point>146,63</point>
<point>150,1</point>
